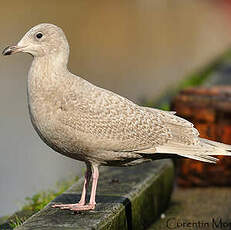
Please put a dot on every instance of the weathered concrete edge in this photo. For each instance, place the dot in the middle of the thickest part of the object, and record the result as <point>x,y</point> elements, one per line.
<point>78,183</point>
<point>139,208</point>
<point>146,202</point>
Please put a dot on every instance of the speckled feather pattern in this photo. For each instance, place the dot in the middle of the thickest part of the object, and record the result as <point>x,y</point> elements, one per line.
<point>82,120</point>
<point>87,123</point>
<point>91,124</point>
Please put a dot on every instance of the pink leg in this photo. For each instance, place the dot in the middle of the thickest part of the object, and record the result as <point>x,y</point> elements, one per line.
<point>84,192</point>
<point>85,185</point>
<point>92,202</point>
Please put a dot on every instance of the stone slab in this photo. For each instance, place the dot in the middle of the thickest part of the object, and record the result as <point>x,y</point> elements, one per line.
<point>127,198</point>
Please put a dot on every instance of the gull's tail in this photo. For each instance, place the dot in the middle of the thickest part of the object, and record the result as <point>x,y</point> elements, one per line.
<point>202,152</point>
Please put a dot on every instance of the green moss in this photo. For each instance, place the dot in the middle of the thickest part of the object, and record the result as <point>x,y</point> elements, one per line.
<point>195,79</point>
<point>40,200</point>
<point>37,202</point>
<point>16,221</point>
<point>154,201</point>
<point>144,205</point>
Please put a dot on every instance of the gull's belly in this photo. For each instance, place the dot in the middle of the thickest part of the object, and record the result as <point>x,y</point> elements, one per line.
<point>70,143</point>
<point>55,135</point>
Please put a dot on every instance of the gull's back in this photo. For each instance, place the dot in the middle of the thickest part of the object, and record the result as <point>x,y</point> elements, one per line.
<point>103,121</point>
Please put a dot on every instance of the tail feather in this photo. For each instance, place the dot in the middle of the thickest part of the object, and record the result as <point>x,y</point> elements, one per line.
<point>196,153</point>
<point>205,158</point>
<point>202,151</point>
<point>216,144</point>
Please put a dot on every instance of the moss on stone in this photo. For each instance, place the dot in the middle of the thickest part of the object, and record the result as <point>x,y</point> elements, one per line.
<point>134,201</point>
<point>34,204</point>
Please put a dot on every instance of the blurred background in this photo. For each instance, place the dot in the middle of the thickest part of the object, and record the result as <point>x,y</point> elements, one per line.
<point>138,49</point>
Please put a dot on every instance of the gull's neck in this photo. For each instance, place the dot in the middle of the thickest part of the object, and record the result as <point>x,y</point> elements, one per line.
<point>46,74</point>
<point>48,64</point>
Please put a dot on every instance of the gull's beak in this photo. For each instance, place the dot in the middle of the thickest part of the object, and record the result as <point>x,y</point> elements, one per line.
<point>12,50</point>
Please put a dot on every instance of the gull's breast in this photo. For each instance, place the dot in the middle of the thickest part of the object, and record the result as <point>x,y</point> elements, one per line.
<point>44,117</point>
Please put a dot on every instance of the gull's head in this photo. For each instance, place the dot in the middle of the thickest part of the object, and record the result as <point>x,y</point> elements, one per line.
<point>41,40</point>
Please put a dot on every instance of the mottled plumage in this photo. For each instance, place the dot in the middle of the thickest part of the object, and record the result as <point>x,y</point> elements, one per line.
<point>94,125</point>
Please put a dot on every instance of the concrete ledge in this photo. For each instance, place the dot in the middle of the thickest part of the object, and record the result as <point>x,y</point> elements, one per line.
<point>127,198</point>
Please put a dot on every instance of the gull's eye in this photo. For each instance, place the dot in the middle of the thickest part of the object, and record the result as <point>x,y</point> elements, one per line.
<point>39,35</point>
